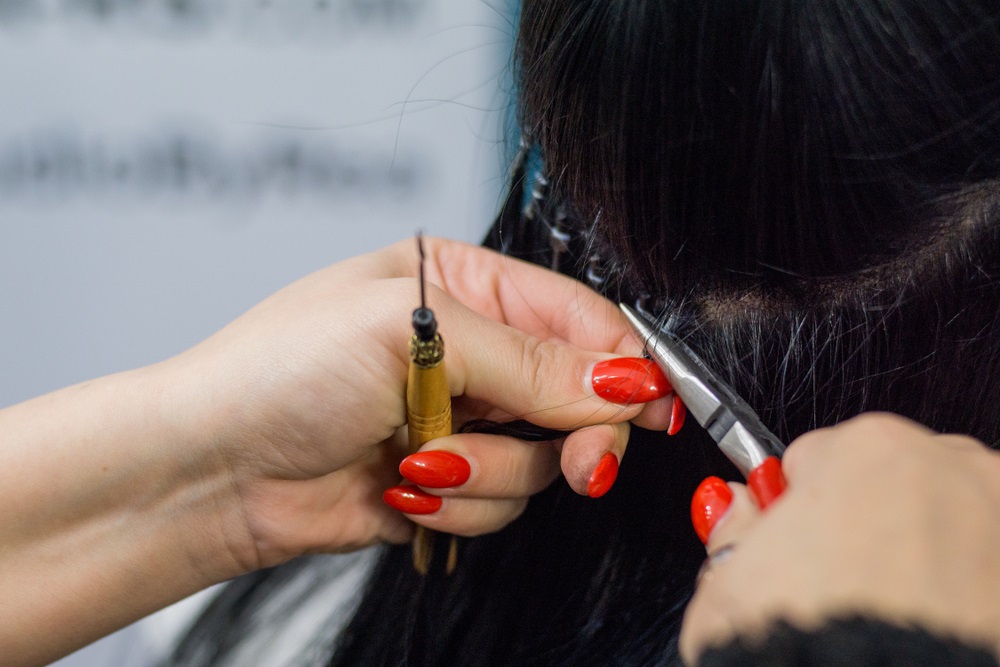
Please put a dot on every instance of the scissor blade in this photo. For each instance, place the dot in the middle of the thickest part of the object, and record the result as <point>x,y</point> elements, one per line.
<point>701,401</point>
<point>723,414</point>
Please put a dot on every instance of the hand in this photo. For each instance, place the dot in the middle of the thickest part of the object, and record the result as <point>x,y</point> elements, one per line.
<point>881,517</point>
<point>304,396</point>
<point>278,435</point>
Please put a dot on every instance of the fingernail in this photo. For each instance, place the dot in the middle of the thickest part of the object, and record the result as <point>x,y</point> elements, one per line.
<point>604,476</point>
<point>629,380</point>
<point>411,500</point>
<point>710,501</point>
<point>677,414</point>
<point>766,482</point>
<point>436,469</point>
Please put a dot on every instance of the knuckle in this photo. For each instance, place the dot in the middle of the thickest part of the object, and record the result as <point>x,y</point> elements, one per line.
<point>881,422</point>
<point>507,474</point>
<point>876,435</point>
<point>882,434</point>
<point>805,449</point>
<point>963,443</point>
<point>538,359</point>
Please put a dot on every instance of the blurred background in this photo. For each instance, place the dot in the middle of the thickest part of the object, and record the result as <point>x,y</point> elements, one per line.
<point>166,164</point>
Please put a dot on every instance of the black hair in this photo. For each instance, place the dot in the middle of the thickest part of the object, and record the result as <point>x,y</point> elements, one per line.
<point>804,191</point>
<point>756,140</point>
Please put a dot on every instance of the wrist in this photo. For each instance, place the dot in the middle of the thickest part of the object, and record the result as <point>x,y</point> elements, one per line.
<point>196,446</point>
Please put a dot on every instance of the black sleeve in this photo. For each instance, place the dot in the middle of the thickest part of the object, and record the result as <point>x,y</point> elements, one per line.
<point>850,642</point>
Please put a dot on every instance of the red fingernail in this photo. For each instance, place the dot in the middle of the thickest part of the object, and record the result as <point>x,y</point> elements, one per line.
<point>604,476</point>
<point>766,481</point>
<point>710,501</point>
<point>677,414</point>
<point>629,380</point>
<point>436,469</point>
<point>411,500</point>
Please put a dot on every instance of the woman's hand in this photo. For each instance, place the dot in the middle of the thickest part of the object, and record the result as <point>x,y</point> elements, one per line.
<point>881,517</point>
<point>279,435</point>
<point>304,397</point>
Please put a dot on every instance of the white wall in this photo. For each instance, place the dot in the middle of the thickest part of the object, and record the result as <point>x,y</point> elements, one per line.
<point>165,164</point>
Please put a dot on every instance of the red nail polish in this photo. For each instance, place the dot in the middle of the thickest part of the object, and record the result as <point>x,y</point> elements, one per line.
<point>411,500</point>
<point>677,414</point>
<point>604,476</point>
<point>766,481</point>
<point>436,469</point>
<point>710,501</point>
<point>629,380</point>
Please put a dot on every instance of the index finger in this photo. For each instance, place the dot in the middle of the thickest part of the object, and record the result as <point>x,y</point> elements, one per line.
<point>535,300</point>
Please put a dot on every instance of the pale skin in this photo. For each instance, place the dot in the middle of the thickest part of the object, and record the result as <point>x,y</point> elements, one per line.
<point>277,436</point>
<point>881,517</point>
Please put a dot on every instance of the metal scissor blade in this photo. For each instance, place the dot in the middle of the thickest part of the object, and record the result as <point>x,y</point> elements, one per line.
<point>702,401</point>
<point>727,418</point>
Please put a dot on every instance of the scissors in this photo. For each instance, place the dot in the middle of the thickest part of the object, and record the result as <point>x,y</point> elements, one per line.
<point>734,426</point>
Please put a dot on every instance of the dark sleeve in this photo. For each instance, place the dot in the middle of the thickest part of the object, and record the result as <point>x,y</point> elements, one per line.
<point>851,642</point>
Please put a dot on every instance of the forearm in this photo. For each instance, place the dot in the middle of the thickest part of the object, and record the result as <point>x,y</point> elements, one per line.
<point>110,507</point>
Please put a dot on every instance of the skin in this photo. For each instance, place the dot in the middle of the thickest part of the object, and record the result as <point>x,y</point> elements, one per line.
<point>122,495</point>
<point>277,436</point>
<point>881,516</point>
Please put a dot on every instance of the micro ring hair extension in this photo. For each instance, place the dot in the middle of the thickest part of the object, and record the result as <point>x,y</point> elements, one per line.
<point>808,193</point>
<point>753,141</point>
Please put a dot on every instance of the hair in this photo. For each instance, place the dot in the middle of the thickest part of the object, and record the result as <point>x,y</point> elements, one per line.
<point>806,192</point>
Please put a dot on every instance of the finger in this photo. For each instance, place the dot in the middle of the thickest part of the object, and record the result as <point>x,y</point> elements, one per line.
<point>767,482</point>
<point>736,522</point>
<point>547,383</point>
<point>467,517</point>
<point>535,300</point>
<point>628,380</point>
<point>470,517</point>
<point>799,455</point>
<point>706,620</point>
<point>474,465</point>
<point>538,301</point>
<point>591,456</point>
<point>709,503</point>
<point>960,443</point>
<point>531,355</point>
<point>706,623</point>
<point>661,415</point>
